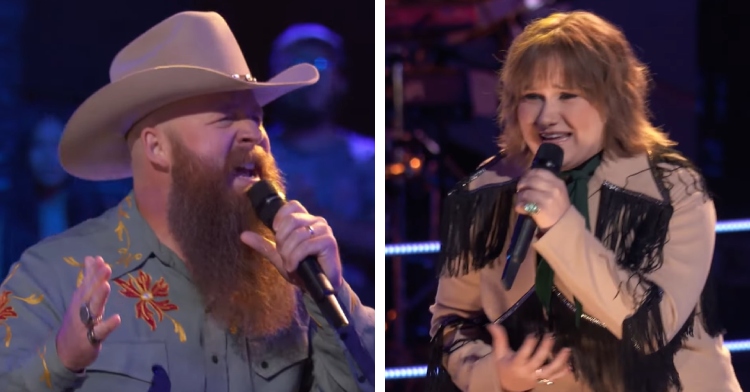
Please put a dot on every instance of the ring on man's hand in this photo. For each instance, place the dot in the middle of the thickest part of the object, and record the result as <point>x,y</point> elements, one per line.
<point>531,208</point>
<point>87,318</point>
<point>91,335</point>
<point>310,230</point>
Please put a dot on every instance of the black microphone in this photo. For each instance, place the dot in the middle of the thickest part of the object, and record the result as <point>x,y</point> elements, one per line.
<point>550,157</point>
<point>267,202</point>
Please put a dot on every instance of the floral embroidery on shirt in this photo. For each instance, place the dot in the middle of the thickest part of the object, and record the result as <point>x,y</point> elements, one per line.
<point>72,262</point>
<point>7,311</point>
<point>126,257</point>
<point>45,377</point>
<point>124,236</point>
<point>148,302</point>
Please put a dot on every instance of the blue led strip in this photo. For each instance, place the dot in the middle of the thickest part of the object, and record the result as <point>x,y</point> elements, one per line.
<point>414,248</point>
<point>733,226</point>
<point>421,370</point>
<point>420,248</point>
<point>406,372</point>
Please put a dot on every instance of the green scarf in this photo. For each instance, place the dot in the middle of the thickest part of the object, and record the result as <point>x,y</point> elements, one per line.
<point>577,182</point>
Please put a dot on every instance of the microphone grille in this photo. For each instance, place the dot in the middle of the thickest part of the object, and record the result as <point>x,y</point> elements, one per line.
<point>549,156</point>
<point>260,192</point>
<point>266,201</point>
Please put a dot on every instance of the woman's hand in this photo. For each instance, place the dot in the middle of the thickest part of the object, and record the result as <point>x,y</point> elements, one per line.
<point>548,192</point>
<point>524,370</point>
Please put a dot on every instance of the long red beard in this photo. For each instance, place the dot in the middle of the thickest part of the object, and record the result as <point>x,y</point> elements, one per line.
<point>242,290</point>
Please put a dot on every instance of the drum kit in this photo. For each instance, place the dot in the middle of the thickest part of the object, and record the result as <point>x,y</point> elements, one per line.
<point>434,50</point>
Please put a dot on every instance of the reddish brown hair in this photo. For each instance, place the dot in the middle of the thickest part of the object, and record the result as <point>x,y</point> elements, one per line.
<point>596,60</point>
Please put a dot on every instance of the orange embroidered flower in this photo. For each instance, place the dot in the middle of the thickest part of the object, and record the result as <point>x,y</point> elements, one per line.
<point>148,302</point>
<point>6,312</point>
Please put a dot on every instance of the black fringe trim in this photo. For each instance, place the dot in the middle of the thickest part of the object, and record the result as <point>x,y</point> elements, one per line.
<point>664,164</point>
<point>438,378</point>
<point>709,309</point>
<point>634,226</point>
<point>648,355</point>
<point>474,227</point>
<point>525,318</point>
<point>640,362</point>
<point>620,365</point>
<point>594,349</point>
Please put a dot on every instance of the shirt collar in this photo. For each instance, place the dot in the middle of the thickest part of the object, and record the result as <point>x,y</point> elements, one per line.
<point>137,242</point>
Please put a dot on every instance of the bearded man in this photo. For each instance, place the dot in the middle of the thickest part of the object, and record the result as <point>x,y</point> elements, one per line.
<point>200,295</point>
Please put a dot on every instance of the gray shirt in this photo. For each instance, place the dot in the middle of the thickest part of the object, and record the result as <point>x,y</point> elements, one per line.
<point>165,336</point>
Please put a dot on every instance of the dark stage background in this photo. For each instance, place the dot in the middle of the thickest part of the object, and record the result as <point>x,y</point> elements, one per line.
<point>695,50</point>
<point>67,47</point>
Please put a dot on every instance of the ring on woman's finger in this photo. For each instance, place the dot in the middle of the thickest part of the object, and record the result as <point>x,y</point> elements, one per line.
<point>542,380</point>
<point>91,335</point>
<point>310,230</point>
<point>531,208</point>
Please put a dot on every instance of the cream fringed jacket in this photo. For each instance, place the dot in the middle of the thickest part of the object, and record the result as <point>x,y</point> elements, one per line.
<point>639,275</point>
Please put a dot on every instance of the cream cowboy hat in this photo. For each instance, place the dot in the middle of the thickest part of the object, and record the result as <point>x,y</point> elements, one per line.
<point>186,55</point>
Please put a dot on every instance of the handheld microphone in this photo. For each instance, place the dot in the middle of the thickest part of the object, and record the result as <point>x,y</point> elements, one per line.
<point>267,202</point>
<point>550,157</point>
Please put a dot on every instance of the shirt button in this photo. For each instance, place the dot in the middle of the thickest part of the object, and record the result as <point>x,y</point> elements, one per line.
<point>361,378</point>
<point>214,359</point>
<point>264,364</point>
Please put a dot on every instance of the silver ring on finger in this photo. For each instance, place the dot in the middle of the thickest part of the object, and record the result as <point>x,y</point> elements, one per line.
<point>542,380</point>
<point>310,230</point>
<point>531,208</point>
<point>87,318</point>
<point>91,335</point>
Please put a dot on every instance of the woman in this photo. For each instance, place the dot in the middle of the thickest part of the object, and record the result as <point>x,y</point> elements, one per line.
<point>615,277</point>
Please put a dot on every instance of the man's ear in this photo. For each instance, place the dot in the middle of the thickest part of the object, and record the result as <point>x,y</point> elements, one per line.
<point>156,147</point>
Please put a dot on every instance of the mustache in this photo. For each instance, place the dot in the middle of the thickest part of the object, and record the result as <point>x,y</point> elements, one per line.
<point>262,160</point>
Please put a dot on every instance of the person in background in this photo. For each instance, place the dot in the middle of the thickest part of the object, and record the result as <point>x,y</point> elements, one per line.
<point>329,168</point>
